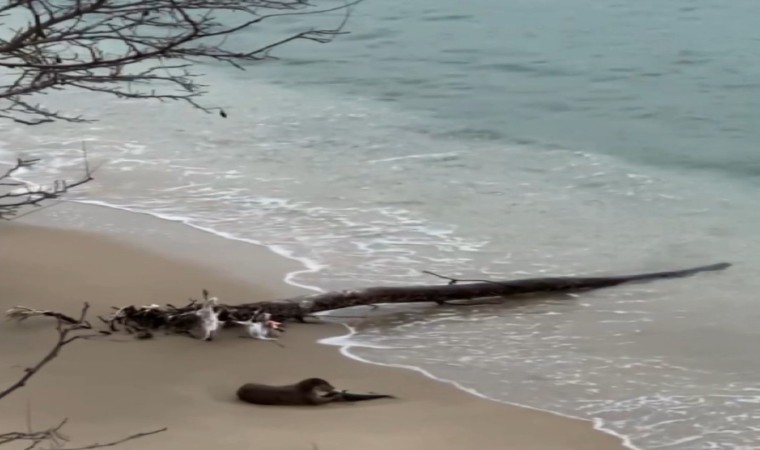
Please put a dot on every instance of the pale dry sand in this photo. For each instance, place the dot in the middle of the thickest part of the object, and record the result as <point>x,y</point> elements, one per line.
<point>119,386</point>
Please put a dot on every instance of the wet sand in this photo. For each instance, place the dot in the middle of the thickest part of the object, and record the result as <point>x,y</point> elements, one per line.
<point>117,386</point>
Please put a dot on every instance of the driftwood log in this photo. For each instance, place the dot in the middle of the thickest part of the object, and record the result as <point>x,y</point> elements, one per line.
<point>144,319</point>
<point>298,308</point>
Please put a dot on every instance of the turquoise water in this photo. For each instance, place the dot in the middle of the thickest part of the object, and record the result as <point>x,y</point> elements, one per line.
<point>667,84</point>
<point>506,139</point>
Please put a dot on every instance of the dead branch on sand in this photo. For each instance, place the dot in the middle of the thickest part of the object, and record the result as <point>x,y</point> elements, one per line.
<point>173,319</point>
<point>69,330</point>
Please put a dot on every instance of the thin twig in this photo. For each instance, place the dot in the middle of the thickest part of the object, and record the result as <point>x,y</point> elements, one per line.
<point>67,328</point>
<point>120,441</point>
<point>64,338</point>
<point>460,280</point>
<point>21,194</point>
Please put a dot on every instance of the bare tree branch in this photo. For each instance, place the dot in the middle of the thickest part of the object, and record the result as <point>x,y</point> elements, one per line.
<point>66,334</point>
<point>131,49</point>
<point>69,330</point>
<point>16,194</point>
<point>124,48</point>
<point>120,441</point>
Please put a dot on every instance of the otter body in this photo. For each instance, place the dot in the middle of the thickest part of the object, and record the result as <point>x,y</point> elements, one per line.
<point>312,391</point>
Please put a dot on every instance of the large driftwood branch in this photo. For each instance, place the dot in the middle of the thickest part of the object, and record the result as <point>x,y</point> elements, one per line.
<point>144,319</point>
<point>69,329</point>
<point>299,307</point>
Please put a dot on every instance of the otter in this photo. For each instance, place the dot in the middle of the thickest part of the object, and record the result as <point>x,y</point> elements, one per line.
<point>311,391</point>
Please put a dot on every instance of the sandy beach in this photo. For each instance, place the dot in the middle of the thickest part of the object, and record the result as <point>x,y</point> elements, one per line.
<point>117,386</point>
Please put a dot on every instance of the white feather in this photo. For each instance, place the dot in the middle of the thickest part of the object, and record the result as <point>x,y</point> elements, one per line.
<point>259,330</point>
<point>210,323</point>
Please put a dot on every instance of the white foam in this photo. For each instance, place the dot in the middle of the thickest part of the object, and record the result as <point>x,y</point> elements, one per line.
<point>310,266</point>
<point>416,156</point>
<point>345,344</point>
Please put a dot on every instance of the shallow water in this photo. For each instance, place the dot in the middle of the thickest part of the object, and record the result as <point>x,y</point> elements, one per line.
<point>508,139</point>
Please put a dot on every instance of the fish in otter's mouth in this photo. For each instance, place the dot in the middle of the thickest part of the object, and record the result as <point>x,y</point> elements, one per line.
<point>346,396</point>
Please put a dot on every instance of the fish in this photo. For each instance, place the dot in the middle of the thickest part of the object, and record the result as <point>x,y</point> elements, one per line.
<point>353,397</point>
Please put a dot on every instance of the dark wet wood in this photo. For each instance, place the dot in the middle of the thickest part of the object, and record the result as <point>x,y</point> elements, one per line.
<point>298,307</point>
<point>180,319</point>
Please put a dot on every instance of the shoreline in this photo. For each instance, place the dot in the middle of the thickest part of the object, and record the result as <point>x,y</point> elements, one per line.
<point>308,265</point>
<point>345,349</point>
<point>597,424</point>
<point>454,422</point>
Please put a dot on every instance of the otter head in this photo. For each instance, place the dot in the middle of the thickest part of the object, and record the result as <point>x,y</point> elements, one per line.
<point>317,386</point>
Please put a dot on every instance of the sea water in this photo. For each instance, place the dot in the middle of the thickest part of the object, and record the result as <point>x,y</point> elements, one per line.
<point>501,139</point>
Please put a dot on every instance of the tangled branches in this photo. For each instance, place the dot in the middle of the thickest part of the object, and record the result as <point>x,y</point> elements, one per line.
<point>69,329</point>
<point>129,48</point>
<point>57,439</point>
<point>141,321</point>
<point>16,194</point>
